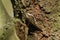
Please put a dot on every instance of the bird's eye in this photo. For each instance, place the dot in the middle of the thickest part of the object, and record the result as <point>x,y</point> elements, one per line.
<point>27,0</point>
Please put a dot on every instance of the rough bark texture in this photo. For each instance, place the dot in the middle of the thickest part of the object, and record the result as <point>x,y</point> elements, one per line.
<point>37,19</point>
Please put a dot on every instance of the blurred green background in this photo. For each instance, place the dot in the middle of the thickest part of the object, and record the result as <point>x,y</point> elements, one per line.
<point>6,23</point>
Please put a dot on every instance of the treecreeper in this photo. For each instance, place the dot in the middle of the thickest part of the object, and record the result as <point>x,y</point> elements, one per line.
<point>34,18</point>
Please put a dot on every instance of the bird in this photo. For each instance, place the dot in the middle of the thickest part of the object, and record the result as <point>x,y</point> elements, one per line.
<point>31,18</point>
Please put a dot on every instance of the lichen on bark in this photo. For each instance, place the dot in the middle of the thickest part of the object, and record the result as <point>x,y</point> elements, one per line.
<point>41,17</point>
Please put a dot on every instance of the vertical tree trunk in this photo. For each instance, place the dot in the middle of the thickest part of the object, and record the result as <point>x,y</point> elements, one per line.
<point>33,19</point>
